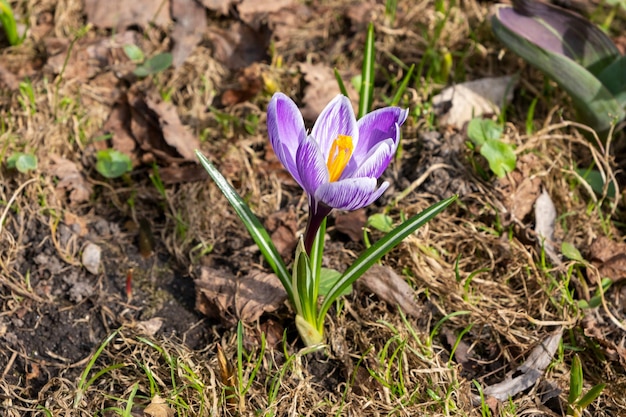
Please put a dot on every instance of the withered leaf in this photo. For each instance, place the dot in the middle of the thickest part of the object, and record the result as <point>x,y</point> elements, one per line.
<point>528,373</point>
<point>220,6</point>
<point>282,226</point>
<point>190,21</point>
<point>253,11</point>
<point>520,188</point>
<point>227,374</point>
<point>390,287</point>
<point>609,257</point>
<point>71,180</point>
<point>159,408</point>
<point>473,98</point>
<point>221,294</point>
<point>545,219</point>
<point>120,14</point>
<point>174,133</point>
<point>351,223</point>
<point>240,45</point>
<point>321,89</point>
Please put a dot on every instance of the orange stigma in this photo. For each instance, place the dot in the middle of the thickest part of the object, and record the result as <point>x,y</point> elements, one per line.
<point>340,153</point>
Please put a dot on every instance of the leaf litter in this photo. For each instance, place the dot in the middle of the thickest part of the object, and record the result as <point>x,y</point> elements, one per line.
<point>160,120</point>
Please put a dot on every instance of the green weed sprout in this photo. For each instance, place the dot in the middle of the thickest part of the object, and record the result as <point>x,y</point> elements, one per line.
<point>577,402</point>
<point>485,134</point>
<point>338,164</point>
<point>573,52</point>
<point>7,19</point>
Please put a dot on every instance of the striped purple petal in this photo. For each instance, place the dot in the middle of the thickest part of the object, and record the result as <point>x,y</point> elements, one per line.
<point>285,128</point>
<point>376,160</point>
<point>311,165</point>
<point>337,118</point>
<point>375,127</point>
<point>350,194</point>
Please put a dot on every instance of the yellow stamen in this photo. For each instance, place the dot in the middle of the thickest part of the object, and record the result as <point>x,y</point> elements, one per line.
<point>340,153</point>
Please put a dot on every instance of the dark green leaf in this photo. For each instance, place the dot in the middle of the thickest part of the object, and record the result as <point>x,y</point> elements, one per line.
<point>500,156</point>
<point>570,252</point>
<point>23,162</point>
<point>595,180</point>
<point>594,103</point>
<point>328,278</point>
<point>112,164</point>
<point>380,222</point>
<point>575,380</point>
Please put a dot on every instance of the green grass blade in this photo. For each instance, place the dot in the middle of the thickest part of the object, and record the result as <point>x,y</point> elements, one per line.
<point>366,96</point>
<point>342,86</point>
<point>252,223</point>
<point>591,396</point>
<point>405,82</point>
<point>575,380</point>
<point>7,19</point>
<point>380,248</point>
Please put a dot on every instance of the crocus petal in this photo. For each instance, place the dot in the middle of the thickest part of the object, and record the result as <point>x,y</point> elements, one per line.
<point>377,160</point>
<point>337,118</point>
<point>350,194</point>
<point>377,126</point>
<point>311,165</point>
<point>285,128</point>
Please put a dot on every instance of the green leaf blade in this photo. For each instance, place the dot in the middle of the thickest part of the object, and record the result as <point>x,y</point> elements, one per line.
<point>252,223</point>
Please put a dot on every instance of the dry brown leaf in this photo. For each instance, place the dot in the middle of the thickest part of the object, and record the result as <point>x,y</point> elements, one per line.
<point>250,84</point>
<point>158,408</point>
<point>609,257</point>
<point>221,294</point>
<point>321,89</point>
<point>174,133</point>
<point>221,6</point>
<point>528,373</point>
<point>520,188</point>
<point>71,180</point>
<point>149,327</point>
<point>240,45</point>
<point>351,223</point>
<point>190,20</point>
<point>118,126</point>
<point>120,14</point>
<point>391,288</point>
<point>283,226</point>
<point>253,12</point>
<point>473,98</point>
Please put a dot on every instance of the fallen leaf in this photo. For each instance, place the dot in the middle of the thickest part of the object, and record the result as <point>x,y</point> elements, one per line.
<point>240,45</point>
<point>71,180</point>
<point>221,294</point>
<point>34,372</point>
<point>390,287</point>
<point>250,84</point>
<point>174,133</point>
<point>528,373</point>
<point>149,327</point>
<point>120,14</point>
<point>8,79</point>
<point>545,219</point>
<point>253,12</point>
<point>283,226</point>
<point>520,188</point>
<point>351,223</point>
<point>321,88</point>
<point>221,6</point>
<point>460,103</point>
<point>609,257</point>
<point>159,408</point>
<point>118,126</point>
<point>190,19</point>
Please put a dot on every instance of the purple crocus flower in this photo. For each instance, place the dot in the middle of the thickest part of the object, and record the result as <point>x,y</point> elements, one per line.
<point>339,162</point>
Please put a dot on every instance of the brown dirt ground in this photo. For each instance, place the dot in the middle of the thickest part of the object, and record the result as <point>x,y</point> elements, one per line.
<point>54,314</point>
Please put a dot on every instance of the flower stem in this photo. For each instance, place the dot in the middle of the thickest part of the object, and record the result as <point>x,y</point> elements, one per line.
<point>316,216</point>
